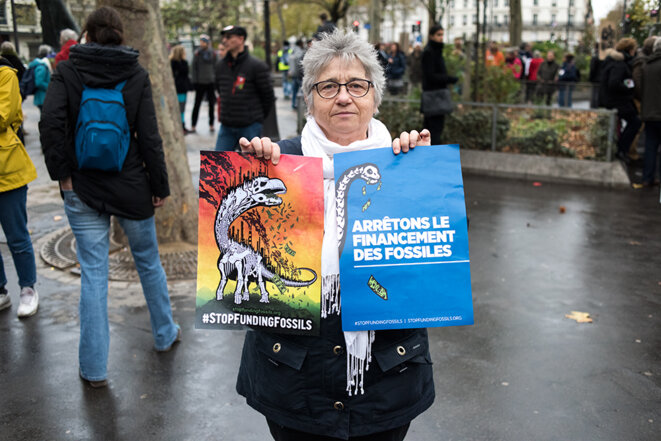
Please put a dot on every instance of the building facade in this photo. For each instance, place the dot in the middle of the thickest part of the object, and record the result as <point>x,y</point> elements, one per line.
<point>543,20</point>
<point>28,26</point>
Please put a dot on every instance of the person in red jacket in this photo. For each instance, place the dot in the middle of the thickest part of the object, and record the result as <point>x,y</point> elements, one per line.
<point>68,38</point>
<point>531,83</point>
<point>513,64</point>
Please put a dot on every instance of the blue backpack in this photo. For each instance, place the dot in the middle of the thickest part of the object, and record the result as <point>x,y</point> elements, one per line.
<point>28,85</point>
<point>102,130</point>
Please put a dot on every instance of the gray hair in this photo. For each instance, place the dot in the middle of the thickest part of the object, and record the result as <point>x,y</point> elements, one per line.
<point>44,50</point>
<point>346,46</point>
<point>7,47</point>
<point>657,45</point>
<point>67,34</point>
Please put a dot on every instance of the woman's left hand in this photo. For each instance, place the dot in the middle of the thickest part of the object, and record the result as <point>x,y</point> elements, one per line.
<point>409,140</point>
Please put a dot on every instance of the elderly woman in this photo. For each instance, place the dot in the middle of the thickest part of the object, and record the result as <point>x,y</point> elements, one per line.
<point>302,384</point>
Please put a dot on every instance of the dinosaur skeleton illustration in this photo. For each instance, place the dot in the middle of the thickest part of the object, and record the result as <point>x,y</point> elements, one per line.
<point>370,174</point>
<point>234,256</point>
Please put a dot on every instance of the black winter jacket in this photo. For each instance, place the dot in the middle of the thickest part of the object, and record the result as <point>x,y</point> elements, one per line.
<point>651,89</point>
<point>301,383</point>
<point>245,88</point>
<point>434,73</point>
<point>127,193</point>
<point>613,90</point>
<point>180,73</point>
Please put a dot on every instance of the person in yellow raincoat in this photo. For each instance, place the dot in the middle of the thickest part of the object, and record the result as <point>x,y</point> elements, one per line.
<point>16,171</point>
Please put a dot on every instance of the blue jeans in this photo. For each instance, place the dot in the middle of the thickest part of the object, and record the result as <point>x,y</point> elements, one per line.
<point>14,220</point>
<point>652,141</point>
<point>564,95</point>
<point>286,84</point>
<point>91,230</point>
<point>295,86</point>
<point>228,137</point>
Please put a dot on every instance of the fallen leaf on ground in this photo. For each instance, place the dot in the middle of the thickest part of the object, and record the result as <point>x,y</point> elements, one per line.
<point>580,317</point>
<point>562,209</point>
<point>536,184</point>
<point>57,218</point>
<point>143,396</point>
<point>634,242</point>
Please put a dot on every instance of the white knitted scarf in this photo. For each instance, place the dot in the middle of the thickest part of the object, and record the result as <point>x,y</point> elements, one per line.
<point>315,143</point>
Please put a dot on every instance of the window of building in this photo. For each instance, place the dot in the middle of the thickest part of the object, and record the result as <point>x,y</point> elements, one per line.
<point>465,3</point>
<point>495,20</point>
<point>452,20</point>
<point>552,18</point>
<point>452,4</point>
<point>554,3</point>
<point>535,2</point>
<point>474,18</point>
<point>464,20</point>
<point>534,19</point>
<point>570,20</point>
<point>495,3</point>
<point>507,3</point>
<point>506,19</point>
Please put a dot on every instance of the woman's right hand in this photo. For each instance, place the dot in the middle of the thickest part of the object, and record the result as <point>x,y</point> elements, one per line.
<point>262,148</point>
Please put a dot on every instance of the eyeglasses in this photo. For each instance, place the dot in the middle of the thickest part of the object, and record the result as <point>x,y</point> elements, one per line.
<point>329,89</point>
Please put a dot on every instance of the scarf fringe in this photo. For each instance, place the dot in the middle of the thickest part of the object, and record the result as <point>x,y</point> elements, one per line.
<point>356,367</point>
<point>330,295</point>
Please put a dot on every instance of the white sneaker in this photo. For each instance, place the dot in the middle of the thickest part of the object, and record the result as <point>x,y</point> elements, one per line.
<point>29,302</point>
<point>5,301</point>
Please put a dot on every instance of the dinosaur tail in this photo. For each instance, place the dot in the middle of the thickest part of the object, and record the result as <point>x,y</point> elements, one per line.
<point>292,283</point>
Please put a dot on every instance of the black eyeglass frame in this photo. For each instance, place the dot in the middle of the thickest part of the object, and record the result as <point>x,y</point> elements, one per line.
<point>339,86</point>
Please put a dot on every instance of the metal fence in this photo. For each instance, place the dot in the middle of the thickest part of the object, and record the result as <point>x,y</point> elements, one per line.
<point>575,132</point>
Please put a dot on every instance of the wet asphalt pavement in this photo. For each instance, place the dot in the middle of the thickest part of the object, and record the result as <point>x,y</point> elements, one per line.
<point>523,372</point>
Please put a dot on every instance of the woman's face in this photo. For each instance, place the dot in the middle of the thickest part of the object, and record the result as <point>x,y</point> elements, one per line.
<point>344,119</point>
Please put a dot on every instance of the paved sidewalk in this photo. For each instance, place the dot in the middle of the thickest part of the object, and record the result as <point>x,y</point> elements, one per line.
<point>522,372</point>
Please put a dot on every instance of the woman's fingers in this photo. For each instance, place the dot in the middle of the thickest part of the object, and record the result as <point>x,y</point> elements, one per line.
<point>425,137</point>
<point>408,140</point>
<point>396,148</point>
<point>245,145</point>
<point>404,141</point>
<point>262,148</point>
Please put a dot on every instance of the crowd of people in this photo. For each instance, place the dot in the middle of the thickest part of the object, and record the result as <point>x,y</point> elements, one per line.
<point>99,104</point>
<point>343,80</point>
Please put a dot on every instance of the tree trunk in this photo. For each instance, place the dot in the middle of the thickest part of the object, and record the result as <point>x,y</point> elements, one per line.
<point>281,19</point>
<point>516,25</point>
<point>375,21</point>
<point>143,30</point>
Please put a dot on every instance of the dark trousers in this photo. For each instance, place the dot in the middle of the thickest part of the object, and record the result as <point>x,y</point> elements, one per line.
<point>435,126</point>
<point>281,433</point>
<point>200,91</point>
<point>629,133</point>
<point>652,141</point>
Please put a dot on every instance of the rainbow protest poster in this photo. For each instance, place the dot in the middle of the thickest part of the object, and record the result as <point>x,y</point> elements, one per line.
<point>403,239</point>
<point>259,243</point>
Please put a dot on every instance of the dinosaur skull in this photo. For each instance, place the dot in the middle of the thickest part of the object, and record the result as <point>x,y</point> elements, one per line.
<point>263,190</point>
<point>370,174</point>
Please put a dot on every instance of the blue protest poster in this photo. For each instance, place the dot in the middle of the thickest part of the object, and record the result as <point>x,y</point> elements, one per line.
<point>403,239</point>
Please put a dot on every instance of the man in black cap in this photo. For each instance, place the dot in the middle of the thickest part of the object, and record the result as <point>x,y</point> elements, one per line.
<point>245,88</point>
<point>204,62</point>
